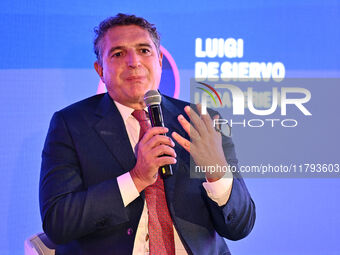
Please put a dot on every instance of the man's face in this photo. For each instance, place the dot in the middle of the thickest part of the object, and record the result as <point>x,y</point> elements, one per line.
<point>131,64</point>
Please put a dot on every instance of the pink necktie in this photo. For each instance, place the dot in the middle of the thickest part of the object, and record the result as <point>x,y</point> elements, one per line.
<point>161,234</point>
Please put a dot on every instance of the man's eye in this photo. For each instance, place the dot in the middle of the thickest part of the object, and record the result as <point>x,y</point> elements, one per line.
<point>117,54</point>
<point>145,51</point>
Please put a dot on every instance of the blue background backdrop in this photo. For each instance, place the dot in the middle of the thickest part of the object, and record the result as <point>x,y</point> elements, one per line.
<point>47,63</point>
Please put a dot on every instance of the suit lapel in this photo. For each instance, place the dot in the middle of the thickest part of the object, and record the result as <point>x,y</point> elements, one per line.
<point>170,113</point>
<point>112,131</point>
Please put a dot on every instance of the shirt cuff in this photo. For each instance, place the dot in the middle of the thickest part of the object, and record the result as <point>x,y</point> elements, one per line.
<point>127,188</point>
<point>219,191</point>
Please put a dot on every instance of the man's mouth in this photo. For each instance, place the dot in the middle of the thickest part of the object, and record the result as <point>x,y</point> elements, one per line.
<point>135,78</point>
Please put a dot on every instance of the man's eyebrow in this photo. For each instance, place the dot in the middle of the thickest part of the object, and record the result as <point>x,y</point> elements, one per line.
<point>144,45</point>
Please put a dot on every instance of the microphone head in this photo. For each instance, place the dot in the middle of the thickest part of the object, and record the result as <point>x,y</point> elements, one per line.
<point>152,97</point>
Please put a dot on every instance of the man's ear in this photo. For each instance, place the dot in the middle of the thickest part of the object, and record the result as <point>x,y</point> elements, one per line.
<point>99,70</point>
<point>160,57</point>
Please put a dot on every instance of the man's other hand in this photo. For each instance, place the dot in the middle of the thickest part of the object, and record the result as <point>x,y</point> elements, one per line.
<point>205,146</point>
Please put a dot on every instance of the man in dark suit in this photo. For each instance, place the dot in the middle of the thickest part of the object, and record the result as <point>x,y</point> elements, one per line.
<point>98,167</point>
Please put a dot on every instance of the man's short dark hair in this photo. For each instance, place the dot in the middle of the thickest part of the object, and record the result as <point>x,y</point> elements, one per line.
<point>123,20</point>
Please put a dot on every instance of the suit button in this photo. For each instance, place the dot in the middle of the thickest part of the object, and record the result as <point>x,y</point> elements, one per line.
<point>129,231</point>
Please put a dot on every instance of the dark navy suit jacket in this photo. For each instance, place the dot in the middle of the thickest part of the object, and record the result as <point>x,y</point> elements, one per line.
<point>87,147</point>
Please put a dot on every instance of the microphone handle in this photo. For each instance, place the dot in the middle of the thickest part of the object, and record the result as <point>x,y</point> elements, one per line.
<point>156,117</point>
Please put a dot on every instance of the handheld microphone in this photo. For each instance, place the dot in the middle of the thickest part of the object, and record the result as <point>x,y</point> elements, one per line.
<point>153,99</point>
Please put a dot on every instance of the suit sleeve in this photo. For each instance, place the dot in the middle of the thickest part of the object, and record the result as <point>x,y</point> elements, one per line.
<point>68,209</point>
<point>236,218</point>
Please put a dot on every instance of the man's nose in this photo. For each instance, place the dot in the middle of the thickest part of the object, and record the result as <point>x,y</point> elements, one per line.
<point>133,59</point>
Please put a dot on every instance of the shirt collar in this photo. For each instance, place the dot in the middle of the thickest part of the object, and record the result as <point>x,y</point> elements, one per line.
<point>125,111</point>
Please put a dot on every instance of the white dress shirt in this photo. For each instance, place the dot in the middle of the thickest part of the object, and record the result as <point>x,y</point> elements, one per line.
<point>218,191</point>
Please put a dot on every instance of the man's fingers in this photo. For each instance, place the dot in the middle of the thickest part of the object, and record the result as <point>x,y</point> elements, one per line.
<point>195,120</point>
<point>159,139</point>
<point>165,160</point>
<point>154,131</point>
<point>199,108</point>
<point>181,141</point>
<point>207,119</point>
<point>163,150</point>
<point>216,126</point>
<point>184,123</point>
<point>209,122</point>
<point>191,131</point>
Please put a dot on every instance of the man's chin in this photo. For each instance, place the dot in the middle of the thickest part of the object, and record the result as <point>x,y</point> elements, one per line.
<point>139,91</point>
<point>137,98</point>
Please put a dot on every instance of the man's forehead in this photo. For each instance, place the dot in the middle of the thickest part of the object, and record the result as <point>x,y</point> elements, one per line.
<point>131,35</point>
